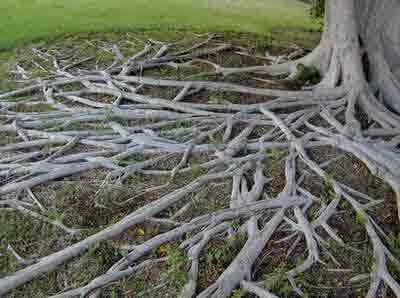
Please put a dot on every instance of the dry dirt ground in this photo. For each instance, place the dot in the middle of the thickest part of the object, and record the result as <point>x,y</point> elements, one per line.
<point>82,201</point>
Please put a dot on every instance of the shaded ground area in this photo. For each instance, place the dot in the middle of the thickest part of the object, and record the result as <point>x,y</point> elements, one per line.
<point>85,202</point>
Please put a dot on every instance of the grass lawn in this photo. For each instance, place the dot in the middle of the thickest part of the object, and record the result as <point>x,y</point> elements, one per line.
<point>22,21</point>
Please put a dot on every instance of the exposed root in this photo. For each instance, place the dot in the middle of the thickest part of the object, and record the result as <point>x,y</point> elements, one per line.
<point>296,121</point>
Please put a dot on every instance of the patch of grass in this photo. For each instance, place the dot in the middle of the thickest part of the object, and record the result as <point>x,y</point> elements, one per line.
<point>31,238</point>
<point>175,271</point>
<point>275,154</point>
<point>278,283</point>
<point>225,252</point>
<point>78,200</point>
<point>197,171</point>
<point>328,192</point>
<point>55,214</point>
<point>46,19</point>
<point>239,293</point>
<point>274,162</point>
<point>96,260</point>
<point>394,244</point>
<point>15,228</point>
<point>7,58</point>
<point>360,218</point>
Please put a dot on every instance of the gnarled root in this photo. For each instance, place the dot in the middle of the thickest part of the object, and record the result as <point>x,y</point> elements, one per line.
<point>295,121</point>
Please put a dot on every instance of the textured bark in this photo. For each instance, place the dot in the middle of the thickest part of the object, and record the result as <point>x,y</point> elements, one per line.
<point>363,38</point>
<point>379,29</point>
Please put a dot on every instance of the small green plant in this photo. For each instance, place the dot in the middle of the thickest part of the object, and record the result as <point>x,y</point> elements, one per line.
<point>278,283</point>
<point>310,75</point>
<point>197,171</point>
<point>361,219</point>
<point>394,244</point>
<point>224,253</point>
<point>114,293</point>
<point>239,293</point>
<point>176,272</point>
<point>387,187</point>
<point>94,261</point>
<point>219,255</point>
<point>369,260</point>
<point>328,192</point>
<point>55,215</point>
<point>245,149</point>
<point>275,154</point>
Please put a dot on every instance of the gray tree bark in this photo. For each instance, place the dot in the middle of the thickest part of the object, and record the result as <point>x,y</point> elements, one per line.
<point>363,36</point>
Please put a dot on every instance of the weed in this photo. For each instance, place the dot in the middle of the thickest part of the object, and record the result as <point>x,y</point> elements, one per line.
<point>328,192</point>
<point>360,218</point>
<point>95,261</point>
<point>245,149</point>
<point>176,272</point>
<point>278,283</point>
<point>239,293</point>
<point>394,244</point>
<point>224,253</point>
<point>55,214</point>
<point>275,154</point>
<point>387,187</point>
<point>308,74</point>
<point>114,293</point>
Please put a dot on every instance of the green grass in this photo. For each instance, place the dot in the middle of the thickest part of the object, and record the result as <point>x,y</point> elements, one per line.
<point>24,21</point>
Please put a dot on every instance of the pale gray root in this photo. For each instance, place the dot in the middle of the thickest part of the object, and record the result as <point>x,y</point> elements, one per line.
<point>45,141</point>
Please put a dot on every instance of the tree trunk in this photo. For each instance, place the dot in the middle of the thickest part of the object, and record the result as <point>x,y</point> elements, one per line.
<point>363,36</point>
<point>379,29</point>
